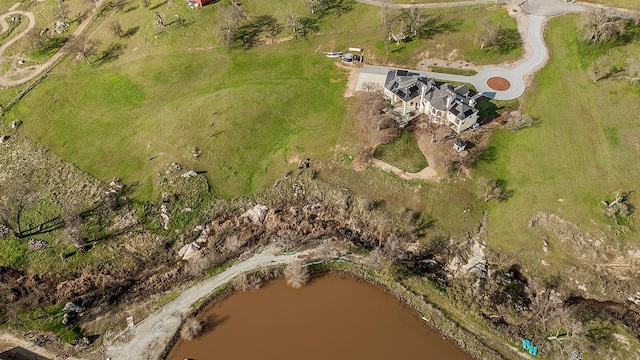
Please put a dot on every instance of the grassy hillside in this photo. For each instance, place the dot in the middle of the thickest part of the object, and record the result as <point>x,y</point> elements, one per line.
<point>169,90</point>
<point>583,149</point>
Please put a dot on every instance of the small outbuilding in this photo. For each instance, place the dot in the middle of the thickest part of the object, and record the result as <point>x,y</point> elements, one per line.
<point>459,145</point>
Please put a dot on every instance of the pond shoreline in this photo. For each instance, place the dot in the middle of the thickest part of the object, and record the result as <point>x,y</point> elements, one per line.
<point>431,315</point>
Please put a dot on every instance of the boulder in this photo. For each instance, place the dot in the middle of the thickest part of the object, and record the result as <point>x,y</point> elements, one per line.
<point>256,214</point>
<point>4,138</point>
<point>188,251</point>
<point>16,123</point>
<point>189,174</point>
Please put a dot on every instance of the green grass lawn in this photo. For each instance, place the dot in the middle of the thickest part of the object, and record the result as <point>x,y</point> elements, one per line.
<point>252,114</point>
<point>454,71</point>
<point>403,153</point>
<point>584,148</point>
<point>249,113</point>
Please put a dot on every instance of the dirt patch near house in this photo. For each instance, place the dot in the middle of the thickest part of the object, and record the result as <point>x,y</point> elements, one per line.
<point>352,79</point>
<point>499,83</point>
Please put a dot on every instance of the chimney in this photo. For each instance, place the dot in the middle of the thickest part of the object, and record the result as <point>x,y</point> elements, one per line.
<point>472,102</point>
<point>448,102</point>
<point>423,91</point>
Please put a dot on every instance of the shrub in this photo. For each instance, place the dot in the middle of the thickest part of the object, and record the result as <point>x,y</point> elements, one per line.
<point>296,274</point>
<point>192,328</point>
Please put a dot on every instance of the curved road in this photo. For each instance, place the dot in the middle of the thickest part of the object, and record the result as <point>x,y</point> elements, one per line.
<point>5,82</point>
<point>151,335</point>
<point>537,12</point>
<point>516,75</point>
<point>5,26</point>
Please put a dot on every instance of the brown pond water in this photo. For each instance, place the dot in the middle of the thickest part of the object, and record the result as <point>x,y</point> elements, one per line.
<point>330,318</point>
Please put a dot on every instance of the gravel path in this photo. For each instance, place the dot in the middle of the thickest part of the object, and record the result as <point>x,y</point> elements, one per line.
<point>149,337</point>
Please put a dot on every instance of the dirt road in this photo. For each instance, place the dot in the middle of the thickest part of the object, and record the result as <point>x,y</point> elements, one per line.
<point>5,81</point>
<point>149,337</point>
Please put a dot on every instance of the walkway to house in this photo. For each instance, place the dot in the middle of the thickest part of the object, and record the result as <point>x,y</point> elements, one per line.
<point>531,28</point>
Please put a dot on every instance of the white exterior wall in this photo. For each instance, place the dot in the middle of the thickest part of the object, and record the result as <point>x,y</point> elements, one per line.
<point>460,125</point>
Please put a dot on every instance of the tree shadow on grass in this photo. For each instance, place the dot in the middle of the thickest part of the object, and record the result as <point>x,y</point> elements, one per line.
<point>113,52</point>
<point>131,31</point>
<point>154,7</point>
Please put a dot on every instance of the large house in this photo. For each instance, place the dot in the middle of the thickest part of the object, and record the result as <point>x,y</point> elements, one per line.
<point>443,104</point>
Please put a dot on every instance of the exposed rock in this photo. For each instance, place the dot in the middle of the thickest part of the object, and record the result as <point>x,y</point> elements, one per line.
<point>60,26</point>
<point>16,123</point>
<point>37,244</point>
<point>4,138</point>
<point>4,231</point>
<point>71,307</point>
<point>476,263</point>
<point>256,214</point>
<point>65,319</point>
<point>165,221</point>
<point>189,174</point>
<point>173,167</point>
<point>188,251</point>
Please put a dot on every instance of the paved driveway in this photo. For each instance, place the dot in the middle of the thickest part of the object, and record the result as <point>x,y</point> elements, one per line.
<point>516,76</point>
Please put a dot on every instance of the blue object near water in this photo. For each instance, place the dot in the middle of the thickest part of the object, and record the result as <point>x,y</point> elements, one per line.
<point>526,344</point>
<point>533,350</point>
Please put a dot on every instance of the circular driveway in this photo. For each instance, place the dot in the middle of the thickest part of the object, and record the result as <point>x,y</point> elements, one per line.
<point>551,7</point>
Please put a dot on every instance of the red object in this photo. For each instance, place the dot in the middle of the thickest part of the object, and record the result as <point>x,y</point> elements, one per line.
<point>204,2</point>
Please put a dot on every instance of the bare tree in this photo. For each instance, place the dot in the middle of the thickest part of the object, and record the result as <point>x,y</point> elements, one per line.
<point>314,5</point>
<point>14,200</point>
<point>376,259</point>
<point>325,250</point>
<point>116,28</point>
<point>86,47</point>
<point>248,282</point>
<point>73,225</point>
<point>192,328</point>
<point>519,122</point>
<point>600,26</point>
<point>600,68</point>
<point>489,189</point>
<point>296,274</point>
<point>230,18</point>
<point>62,11</point>
<point>632,70</point>
<point>415,18</point>
<point>294,21</point>
<point>394,248</point>
<point>37,39</point>
<point>489,34</point>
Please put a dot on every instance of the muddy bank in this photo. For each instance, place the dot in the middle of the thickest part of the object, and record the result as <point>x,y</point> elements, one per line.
<point>328,317</point>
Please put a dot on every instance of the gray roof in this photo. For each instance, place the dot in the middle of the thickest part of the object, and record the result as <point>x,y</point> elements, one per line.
<point>406,85</point>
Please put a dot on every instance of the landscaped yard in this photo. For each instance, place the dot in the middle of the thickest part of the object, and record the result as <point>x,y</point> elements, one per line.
<point>583,150</point>
<point>403,153</point>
